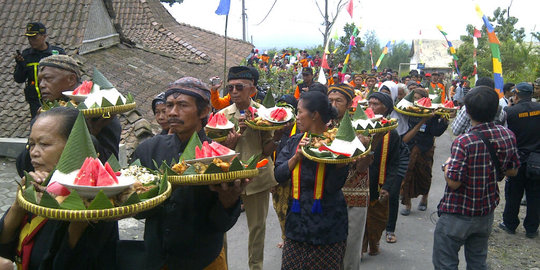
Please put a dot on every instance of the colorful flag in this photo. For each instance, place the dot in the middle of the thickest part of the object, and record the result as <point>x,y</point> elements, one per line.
<point>350,8</point>
<point>223,8</point>
<point>351,43</point>
<point>495,52</point>
<point>452,49</point>
<point>384,52</point>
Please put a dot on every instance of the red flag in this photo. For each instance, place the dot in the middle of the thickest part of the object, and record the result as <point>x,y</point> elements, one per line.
<point>352,43</point>
<point>350,7</point>
<point>324,63</point>
<point>477,33</point>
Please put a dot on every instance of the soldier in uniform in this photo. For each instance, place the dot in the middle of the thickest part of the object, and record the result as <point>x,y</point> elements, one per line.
<point>26,69</point>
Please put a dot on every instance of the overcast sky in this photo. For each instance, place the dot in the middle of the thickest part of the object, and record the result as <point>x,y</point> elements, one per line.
<point>296,23</point>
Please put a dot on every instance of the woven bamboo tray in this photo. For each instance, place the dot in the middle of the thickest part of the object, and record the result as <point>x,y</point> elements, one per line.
<point>378,130</point>
<point>336,160</point>
<point>107,111</point>
<point>93,215</point>
<point>264,128</point>
<point>411,113</point>
<point>210,178</point>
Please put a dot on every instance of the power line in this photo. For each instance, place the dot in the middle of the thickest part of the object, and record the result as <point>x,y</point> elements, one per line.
<point>272,7</point>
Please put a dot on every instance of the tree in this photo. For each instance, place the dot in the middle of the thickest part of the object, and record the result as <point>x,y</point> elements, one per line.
<point>343,45</point>
<point>329,19</point>
<point>171,2</point>
<point>520,60</point>
<point>399,54</point>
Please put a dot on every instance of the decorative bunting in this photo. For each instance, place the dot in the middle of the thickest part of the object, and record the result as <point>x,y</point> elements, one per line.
<point>452,49</point>
<point>495,52</point>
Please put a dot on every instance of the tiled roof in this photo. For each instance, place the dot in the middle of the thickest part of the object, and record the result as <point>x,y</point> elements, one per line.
<point>155,51</point>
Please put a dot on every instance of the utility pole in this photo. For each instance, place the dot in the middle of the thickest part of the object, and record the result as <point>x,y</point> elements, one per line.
<point>243,20</point>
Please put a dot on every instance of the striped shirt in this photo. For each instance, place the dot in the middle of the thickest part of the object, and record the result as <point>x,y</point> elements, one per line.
<point>470,163</point>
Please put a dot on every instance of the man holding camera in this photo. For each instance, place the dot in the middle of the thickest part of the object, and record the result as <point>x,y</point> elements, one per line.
<point>26,69</point>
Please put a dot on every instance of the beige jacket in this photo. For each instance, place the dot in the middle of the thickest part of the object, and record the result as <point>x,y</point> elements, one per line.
<point>251,143</point>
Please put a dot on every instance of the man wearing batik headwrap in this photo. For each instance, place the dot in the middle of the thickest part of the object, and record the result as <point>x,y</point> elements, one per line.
<point>384,175</point>
<point>246,143</point>
<point>356,188</point>
<point>58,73</point>
<point>341,96</point>
<point>158,107</point>
<point>187,230</point>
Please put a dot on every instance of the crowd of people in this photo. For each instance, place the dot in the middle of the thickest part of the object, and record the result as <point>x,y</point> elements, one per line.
<point>330,215</point>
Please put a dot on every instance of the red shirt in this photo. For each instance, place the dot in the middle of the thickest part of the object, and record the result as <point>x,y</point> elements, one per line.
<point>470,164</point>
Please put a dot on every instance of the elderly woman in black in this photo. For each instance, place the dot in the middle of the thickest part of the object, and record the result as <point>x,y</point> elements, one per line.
<point>315,230</point>
<point>34,242</point>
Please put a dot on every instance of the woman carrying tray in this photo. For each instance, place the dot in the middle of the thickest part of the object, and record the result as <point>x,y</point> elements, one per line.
<point>316,230</point>
<point>420,139</point>
<point>35,242</point>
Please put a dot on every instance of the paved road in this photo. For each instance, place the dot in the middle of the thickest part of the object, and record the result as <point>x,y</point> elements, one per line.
<point>415,232</point>
<point>412,251</point>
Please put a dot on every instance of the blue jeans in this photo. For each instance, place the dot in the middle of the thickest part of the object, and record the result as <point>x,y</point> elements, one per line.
<point>452,232</point>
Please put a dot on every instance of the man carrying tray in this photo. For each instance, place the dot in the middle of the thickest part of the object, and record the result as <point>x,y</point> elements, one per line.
<point>249,142</point>
<point>58,73</point>
<point>186,231</point>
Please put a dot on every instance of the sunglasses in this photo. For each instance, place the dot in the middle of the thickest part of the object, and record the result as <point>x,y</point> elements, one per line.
<point>239,87</point>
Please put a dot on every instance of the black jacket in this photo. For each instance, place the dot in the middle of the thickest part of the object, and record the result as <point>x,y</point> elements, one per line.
<point>27,70</point>
<point>393,173</point>
<point>186,231</point>
<point>524,120</point>
<point>328,227</point>
<point>96,249</point>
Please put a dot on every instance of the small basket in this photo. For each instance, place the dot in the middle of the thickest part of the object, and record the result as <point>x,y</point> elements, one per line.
<point>107,111</point>
<point>93,215</point>
<point>411,113</point>
<point>210,178</point>
<point>336,160</point>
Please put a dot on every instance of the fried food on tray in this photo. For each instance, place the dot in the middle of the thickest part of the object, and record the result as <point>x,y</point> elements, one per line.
<point>180,168</point>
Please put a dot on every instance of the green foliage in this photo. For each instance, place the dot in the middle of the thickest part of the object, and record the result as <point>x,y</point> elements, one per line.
<point>280,81</point>
<point>357,51</point>
<point>520,59</point>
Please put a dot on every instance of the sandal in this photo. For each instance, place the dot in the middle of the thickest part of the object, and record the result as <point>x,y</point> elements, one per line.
<point>391,237</point>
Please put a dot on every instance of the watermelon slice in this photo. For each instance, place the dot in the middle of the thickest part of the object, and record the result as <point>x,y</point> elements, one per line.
<point>278,114</point>
<point>86,175</point>
<point>424,102</point>
<point>220,149</point>
<point>84,88</point>
<point>355,101</point>
<point>104,178</point>
<point>449,104</point>
<point>221,119</point>
<point>212,122</point>
<point>369,112</point>
<point>198,152</point>
<point>57,189</point>
<point>207,151</point>
<point>111,172</point>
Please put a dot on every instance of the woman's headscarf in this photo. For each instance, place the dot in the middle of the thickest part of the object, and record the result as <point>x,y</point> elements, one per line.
<point>393,89</point>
